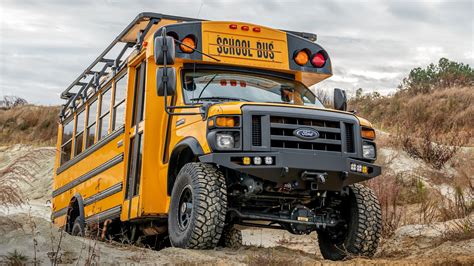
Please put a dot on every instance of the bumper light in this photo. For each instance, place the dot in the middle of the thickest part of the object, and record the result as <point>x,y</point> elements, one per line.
<point>368,151</point>
<point>224,141</point>
<point>246,160</point>
<point>257,160</point>
<point>268,160</point>
<point>359,168</point>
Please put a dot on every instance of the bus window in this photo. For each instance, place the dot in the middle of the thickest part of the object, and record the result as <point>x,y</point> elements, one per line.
<point>119,104</point>
<point>79,136</point>
<point>139,94</point>
<point>91,123</point>
<point>66,144</point>
<point>104,113</point>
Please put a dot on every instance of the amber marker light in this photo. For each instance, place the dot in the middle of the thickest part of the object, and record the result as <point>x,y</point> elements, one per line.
<point>226,121</point>
<point>188,45</point>
<point>301,57</point>
<point>368,133</point>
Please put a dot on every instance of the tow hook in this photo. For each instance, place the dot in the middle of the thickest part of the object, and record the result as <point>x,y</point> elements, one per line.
<point>316,177</point>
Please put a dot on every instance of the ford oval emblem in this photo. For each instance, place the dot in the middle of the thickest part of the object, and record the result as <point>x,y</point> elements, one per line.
<point>306,133</point>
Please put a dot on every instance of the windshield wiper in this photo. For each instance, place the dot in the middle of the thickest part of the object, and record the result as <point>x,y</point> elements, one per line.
<point>205,87</point>
<point>216,98</point>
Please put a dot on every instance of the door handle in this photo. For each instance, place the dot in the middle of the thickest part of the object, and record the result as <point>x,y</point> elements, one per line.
<point>120,143</point>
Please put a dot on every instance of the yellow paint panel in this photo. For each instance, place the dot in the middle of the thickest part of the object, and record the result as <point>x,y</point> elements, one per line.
<point>108,203</point>
<point>60,221</point>
<point>91,187</point>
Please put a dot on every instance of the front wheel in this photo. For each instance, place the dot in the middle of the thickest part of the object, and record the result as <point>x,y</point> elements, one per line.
<point>231,237</point>
<point>198,207</point>
<point>360,234</point>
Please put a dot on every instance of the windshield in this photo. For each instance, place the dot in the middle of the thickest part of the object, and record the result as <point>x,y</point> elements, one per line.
<point>210,85</point>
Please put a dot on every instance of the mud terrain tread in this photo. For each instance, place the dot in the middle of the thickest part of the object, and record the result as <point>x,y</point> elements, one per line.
<point>209,203</point>
<point>231,237</point>
<point>370,222</point>
<point>364,229</point>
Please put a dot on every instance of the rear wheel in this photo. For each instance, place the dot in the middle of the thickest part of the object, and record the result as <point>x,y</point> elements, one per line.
<point>360,235</point>
<point>78,227</point>
<point>198,207</point>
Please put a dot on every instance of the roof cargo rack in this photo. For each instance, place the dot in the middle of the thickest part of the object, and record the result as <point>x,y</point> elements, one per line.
<point>130,38</point>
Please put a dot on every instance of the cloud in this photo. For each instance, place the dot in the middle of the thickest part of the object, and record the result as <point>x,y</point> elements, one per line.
<point>44,45</point>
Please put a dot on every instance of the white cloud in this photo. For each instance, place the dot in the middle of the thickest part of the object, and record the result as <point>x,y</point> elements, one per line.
<point>45,44</point>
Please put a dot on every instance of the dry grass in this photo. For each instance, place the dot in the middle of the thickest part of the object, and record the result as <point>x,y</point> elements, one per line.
<point>10,179</point>
<point>387,190</point>
<point>15,258</point>
<point>29,124</point>
<point>444,110</point>
<point>463,229</point>
<point>19,171</point>
<point>433,147</point>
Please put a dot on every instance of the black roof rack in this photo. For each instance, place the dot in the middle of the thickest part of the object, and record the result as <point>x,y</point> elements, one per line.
<point>132,36</point>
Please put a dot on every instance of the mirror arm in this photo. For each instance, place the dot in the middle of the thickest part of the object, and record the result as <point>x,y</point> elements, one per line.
<point>165,83</point>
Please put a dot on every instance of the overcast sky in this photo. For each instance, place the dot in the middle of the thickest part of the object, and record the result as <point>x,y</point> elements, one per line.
<point>45,45</point>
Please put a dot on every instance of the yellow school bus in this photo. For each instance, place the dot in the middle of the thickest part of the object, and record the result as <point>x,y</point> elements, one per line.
<point>183,130</point>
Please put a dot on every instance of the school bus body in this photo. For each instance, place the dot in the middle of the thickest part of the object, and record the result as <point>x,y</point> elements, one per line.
<point>153,199</point>
<point>128,173</point>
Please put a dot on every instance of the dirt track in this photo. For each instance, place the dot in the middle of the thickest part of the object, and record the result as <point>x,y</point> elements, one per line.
<point>411,244</point>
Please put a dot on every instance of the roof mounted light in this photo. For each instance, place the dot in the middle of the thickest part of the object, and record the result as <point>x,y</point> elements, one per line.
<point>318,60</point>
<point>188,44</point>
<point>301,57</point>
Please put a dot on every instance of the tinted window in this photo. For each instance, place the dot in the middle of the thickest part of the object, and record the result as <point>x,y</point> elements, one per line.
<point>67,131</point>
<point>91,122</point>
<point>139,94</point>
<point>80,122</point>
<point>213,86</point>
<point>106,98</point>
<point>66,152</point>
<point>120,89</point>
<point>78,143</point>
<point>119,115</point>
<point>103,126</point>
<point>119,104</point>
<point>104,113</point>
<point>92,113</point>
<point>90,136</point>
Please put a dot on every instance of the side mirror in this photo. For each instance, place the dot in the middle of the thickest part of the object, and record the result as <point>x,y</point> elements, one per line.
<point>166,80</point>
<point>164,48</point>
<point>340,99</point>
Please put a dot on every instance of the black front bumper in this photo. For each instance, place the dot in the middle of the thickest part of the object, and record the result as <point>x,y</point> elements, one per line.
<point>289,166</point>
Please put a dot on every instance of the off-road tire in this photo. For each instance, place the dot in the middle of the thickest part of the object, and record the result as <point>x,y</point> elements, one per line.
<point>364,227</point>
<point>231,237</point>
<point>209,207</point>
<point>78,227</point>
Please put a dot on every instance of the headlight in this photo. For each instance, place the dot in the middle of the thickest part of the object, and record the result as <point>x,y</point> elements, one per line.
<point>368,151</point>
<point>224,141</point>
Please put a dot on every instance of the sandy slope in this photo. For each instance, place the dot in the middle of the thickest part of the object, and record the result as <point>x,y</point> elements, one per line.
<point>22,227</point>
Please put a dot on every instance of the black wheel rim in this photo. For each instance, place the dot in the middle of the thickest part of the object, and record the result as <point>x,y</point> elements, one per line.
<point>185,208</point>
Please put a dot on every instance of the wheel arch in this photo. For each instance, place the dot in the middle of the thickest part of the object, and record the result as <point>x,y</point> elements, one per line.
<point>186,151</point>
<point>75,209</point>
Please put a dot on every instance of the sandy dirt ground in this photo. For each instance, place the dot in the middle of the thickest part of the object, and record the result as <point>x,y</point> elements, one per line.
<point>27,230</point>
